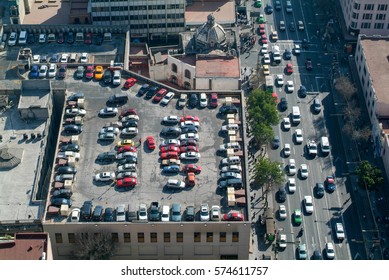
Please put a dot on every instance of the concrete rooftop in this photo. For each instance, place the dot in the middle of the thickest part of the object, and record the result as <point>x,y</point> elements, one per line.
<point>196,14</point>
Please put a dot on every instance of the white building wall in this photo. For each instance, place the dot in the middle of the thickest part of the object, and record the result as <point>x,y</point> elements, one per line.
<point>213,83</point>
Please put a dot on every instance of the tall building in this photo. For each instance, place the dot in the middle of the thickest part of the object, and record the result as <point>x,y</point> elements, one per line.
<point>152,19</point>
<point>367,17</point>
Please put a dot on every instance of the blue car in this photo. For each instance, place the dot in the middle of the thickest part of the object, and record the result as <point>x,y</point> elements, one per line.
<point>171,169</point>
<point>330,183</point>
<point>34,72</point>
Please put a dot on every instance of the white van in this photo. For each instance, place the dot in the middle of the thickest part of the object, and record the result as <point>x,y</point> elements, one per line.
<point>79,37</point>
<point>325,145</point>
<point>22,37</point>
<point>296,117</point>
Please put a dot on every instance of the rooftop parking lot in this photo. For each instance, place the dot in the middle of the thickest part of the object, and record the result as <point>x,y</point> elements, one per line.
<point>150,179</point>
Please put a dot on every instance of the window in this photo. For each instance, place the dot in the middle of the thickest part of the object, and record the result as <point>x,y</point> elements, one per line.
<point>209,236</point>
<point>166,237</point>
<point>235,237</point>
<point>222,237</point>
<point>357,6</point>
<point>71,238</point>
<point>354,24</point>
<point>382,7</point>
<point>367,16</point>
<point>141,237</point>
<point>180,237</point>
<point>127,237</point>
<point>197,236</point>
<point>355,16</point>
<point>58,238</point>
<point>380,16</point>
<point>365,25</point>
<point>379,25</point>
<point>187,74</point>
<point>369,7</point>
<point>153,237</point>
<point>174,68</point>
<point>115,237</point>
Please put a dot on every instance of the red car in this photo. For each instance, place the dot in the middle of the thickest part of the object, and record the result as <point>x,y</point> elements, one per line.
<point>289,68</point>
<point>169,148</point>
<point>275,96</point>
<point>88,38</point>
<point>150,142</point>
<point>192,168</point>
<point>189,149</point>
<point>126,182</point>
<point>89,72</point>
<point>190,118</point>
<point>160,94</point>
<point>169,155</point>
<point>129,111</point>
<point>129,83</point>
<point>213,102</point>
<point>261,29</point>
<point>188,142</point>
<point>263,39</point>
<point>233,216</point>
<point>127,149</point>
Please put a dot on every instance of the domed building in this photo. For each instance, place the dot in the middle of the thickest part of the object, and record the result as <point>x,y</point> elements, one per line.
<point>210,35</point>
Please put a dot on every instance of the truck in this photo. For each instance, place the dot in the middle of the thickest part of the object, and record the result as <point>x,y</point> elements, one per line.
<point>154,214</point>
<point>296,117</point>
<point>269,83</point>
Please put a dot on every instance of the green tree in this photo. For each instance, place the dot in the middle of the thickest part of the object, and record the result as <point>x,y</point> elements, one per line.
<point>94,246</point>
<point>262,133</point>
<point>369,176</point>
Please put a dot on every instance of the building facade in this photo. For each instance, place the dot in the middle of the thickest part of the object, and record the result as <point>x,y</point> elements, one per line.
<point>369,17</point>
<point>152,19</point>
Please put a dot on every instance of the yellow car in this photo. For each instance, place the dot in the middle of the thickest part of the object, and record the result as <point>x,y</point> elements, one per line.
<point>126,142</point>
<point>266,70</point>
<point>99,72</point>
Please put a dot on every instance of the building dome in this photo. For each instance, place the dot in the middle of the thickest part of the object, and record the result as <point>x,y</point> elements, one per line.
<point>210,35</point>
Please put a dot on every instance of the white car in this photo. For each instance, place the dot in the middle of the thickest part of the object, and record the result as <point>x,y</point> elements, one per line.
<point>231,168</point>
<point>116,79</point>
<point>304,171</point>
<point>168,142</point>
<point>84,58</point>
<point>281,241</point>
<point>230,175</point>
<point>130,117</point>
<point>109,129</point>
<point>126,174</point>
<point>339,230</point>
<point>127,154</point>
<point>308,204</point>
<point>282,212</point>
<point>232,126</point>
<point>165,213</point>
<point>43,71</point>
<point>12,39</point>
<point>292,166</point>
<point>266,58</point>
<point>204,212</point>
<point>203,100</point>
<point>312,148</point>
<point>299,136</point>
<point>52,70</point>
<point>105,176</point>
<point>127,167</point>
<point>292,185</point>
<point>280,80</point>
<point>75,112</point>
<point>175,184</point>
<point>215,213</point>
<point>330,252</point>
<point>166,99</point>
<point>64,57</point>
<point>189,123</point>
<point>108,111</point>
<point>287,124</point>
<point>190,155</point>
<point>142,213</point>
<point>297,49</point>
<point>171,120</point>
<point>189,136</point>
<point>289,86</point>
<point>130,131</point>
<point>42,38</point>
<point>264,49</point>
<point>36,58</point>
<point>287,149</point>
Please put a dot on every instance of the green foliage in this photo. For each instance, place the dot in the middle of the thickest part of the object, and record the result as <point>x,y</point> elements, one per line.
<point>370,177</point>
<point>94,246</point>
<point>267,172</point>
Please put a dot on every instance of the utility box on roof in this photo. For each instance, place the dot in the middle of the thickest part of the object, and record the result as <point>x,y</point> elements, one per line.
<point>74,139</point>
<point>78,120</point>
<point>64,210</point>
<point>81,102</point>
<point>68,184</point>
<point>228,101</point>
<point>72,162</point>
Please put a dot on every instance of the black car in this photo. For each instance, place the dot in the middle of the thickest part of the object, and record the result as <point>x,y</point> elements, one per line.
<point>108,214</point>
<point>130,123</point>
<point>193,100</point>
<point>268,9</point>
<point>317,255</point>
<point>72,128</point>
<point>283,104</point>
<point>107,157</point>
<point>276,142</point>
<point>228,109</point>
<point>70,37</point>
<point>319,190</point>
<point>128,159</point>
<point>287,54</point>
<point>30,38</point>
<point>99,39</point>
<point>55,58</point>
<point>61,201</point>
<point>62,193</point>
<point>308,64</point>
<point>70,147</point>
<point>107,76</point>
<point>44,59</point>
<point>302,92</point>
<point>304,44</point>
<point>132,216</point>
<point>151,92</point>
<point>98,213</point>
<point>277,5</point>
<point>76,96</point>
<point>171,131</point>
<point>292,26</point>
<point>86,210</point>
<point>189,129</point>
<point>143,89</point>
<point>281,195</point>
<point>60,38</point>
<point>66,170</point>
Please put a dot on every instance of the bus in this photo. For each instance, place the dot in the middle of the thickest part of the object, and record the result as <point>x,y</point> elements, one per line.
<point>269,84</point>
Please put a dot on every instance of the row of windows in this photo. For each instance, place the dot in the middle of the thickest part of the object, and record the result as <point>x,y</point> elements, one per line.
<point>140,236</point>
<point>367,25</point>
<point>186,73</point>
<point>138,8</point>
<point>370,16</point>
<point>370,7</point>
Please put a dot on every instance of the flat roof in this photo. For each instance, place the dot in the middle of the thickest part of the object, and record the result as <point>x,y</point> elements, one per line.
<point>24,246</point>
<point>56,13</point>
<point>376,52</point>
<point>209,66</point>
<point>223,11</point>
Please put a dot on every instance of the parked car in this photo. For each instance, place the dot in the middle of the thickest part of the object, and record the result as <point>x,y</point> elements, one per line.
<point>193,100</point>
<point>126,182</point>
<point>170,120</point>
<point>143,89</point>
<point>129,83</point>
<point>171,132</point>
<point>62,71</point>
<point>175,184</point>
<point>159,95</point>
<point>167,98</point>
<point>190,156</point>
<point>192,168</point>
<point>62,193</point>
<point>228,109</point>
<point>204,212</point>
<point>34,72</point>
<point>99,71</point>
<point>72,128</point>
<point>108,112</point>
<point>214,100</point>
<point>43,71</point>
<point>84,57</point>
<point>233,215</point>
<point>105,176</point>
<point>339,231</point>
<point>116,78</point>
<point>107,76</point>
<point>89,72</point>
<point>150,142</point>
<point>126,174</point>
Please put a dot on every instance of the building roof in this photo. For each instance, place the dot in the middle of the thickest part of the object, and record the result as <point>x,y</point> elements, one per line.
<point>55,14</point>
<point>210,35</point>
<point>24,246</point>
<point>376,52</point>
<point>217,66</point>
<point>196,14</point>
